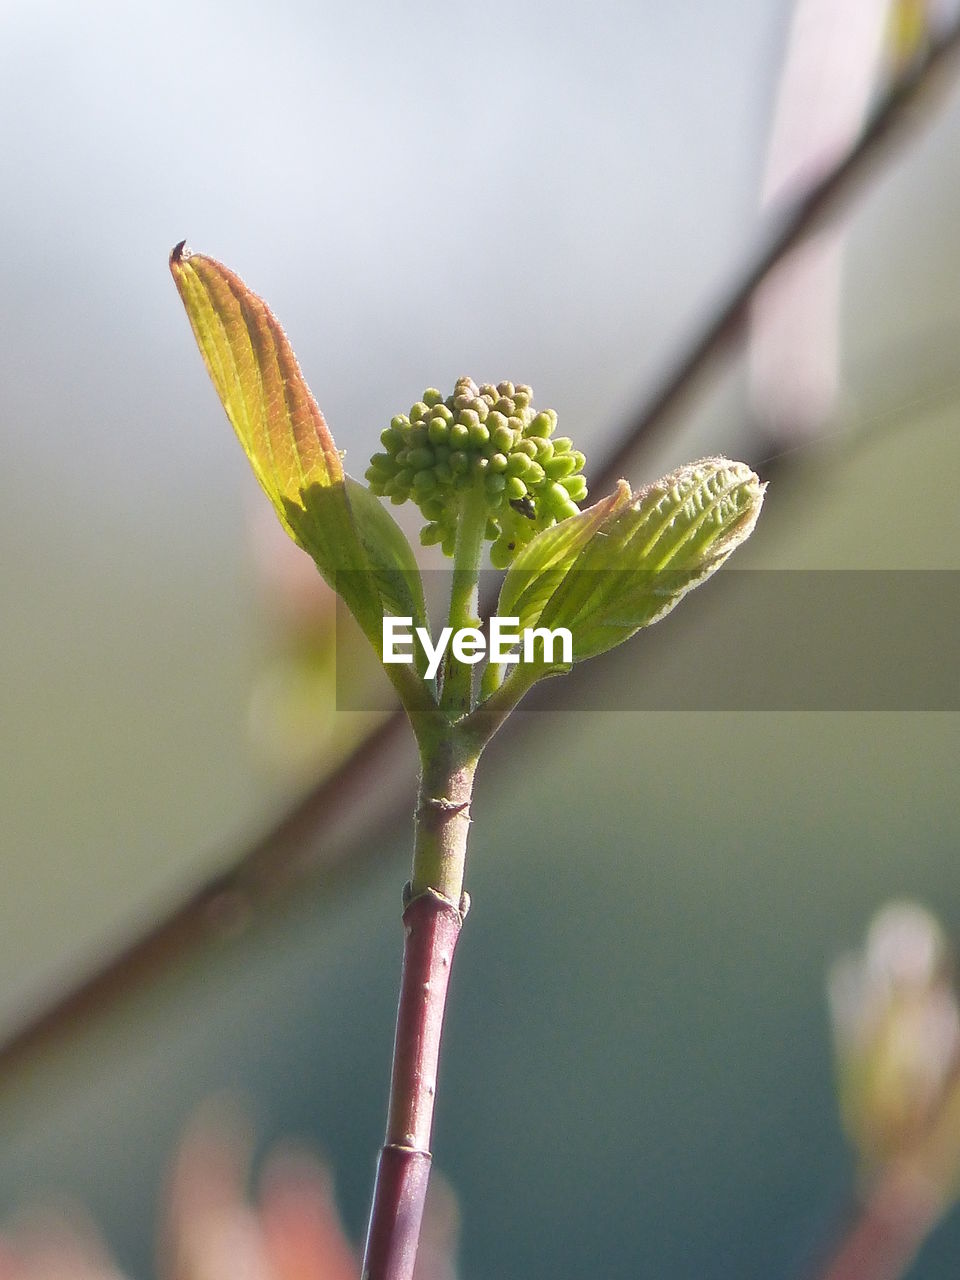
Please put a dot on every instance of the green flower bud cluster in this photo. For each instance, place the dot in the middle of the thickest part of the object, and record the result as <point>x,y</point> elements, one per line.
<point>488,437</point>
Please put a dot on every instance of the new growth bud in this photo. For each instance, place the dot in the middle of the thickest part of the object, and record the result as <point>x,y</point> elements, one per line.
<point>897,1033</point>
<point>489,436</point>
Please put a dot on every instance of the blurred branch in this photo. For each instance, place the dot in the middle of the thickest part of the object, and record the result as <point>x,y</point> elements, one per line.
<point>899,111</point>
<point>835,56</point>
<point>884,1238</point>
<point>332,828</point>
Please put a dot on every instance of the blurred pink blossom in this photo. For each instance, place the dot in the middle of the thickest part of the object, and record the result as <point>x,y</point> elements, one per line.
<point>215,1228</point>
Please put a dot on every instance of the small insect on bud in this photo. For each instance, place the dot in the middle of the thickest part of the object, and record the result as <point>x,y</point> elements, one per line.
<point>524,506</point>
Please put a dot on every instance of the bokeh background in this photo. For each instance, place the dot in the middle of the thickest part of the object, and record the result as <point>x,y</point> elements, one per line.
<point>637,1077</point>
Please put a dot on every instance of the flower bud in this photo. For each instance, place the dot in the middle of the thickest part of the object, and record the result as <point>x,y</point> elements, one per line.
<point>896,1031</point>
<point>489,435</point>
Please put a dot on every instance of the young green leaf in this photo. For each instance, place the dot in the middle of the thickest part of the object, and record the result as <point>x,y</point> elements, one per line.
<point>391,559</point>
<point>355,543</point>
<point>389,553</point>
<point>258,380</point>
<point>540,566</point>
<point>646,555</point>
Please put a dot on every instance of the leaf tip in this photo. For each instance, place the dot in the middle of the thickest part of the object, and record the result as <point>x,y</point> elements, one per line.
<point>179,253</point>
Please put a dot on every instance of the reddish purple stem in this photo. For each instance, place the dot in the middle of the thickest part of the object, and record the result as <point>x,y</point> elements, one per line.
<point>432,925</point>
<point>889,1230</point>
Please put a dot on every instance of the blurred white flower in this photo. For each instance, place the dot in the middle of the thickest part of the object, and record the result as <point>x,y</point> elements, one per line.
<point>897,1032</point>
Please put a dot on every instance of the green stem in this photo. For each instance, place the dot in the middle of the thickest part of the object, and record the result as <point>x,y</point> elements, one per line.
<point>482,723</point>
<point>491,679</point>
<point>443,818</point>
<point>456,698</point>
<point>416,697</point>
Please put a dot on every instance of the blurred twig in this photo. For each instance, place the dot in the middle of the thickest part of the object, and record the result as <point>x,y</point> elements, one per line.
<point>834,59</point>
<point>883,1239</point>
<point>329,828</point>
<point>903,1204</point>
<point>899,110</point>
